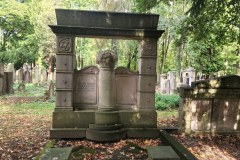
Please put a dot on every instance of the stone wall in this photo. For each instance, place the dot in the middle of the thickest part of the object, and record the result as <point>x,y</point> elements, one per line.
<point>211,106</point>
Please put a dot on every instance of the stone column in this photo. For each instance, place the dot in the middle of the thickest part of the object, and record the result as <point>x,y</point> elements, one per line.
<point>64,72</point>
<point>147,73</point>
<point>107,88</point>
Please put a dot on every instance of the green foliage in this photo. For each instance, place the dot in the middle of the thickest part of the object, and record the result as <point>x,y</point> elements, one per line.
<point>16,43</point>
<point>166,102</point>
<point>31,90</point>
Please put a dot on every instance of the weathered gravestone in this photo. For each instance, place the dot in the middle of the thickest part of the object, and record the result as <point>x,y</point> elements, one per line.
<point>188,76</point>
<point>211,106</point>
<point>103,103</point>
<point>1,78</point>
<point>27,73</point>
<point>36,75</point>
<point>19,75</point>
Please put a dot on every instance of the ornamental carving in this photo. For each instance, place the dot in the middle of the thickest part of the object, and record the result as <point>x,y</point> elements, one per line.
<point>64,44</point>
<point>148,47</point>
<point>106,59</point>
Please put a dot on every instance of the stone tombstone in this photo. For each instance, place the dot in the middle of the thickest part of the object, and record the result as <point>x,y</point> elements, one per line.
<point>163,82</point>
<point>19,75</point>
<point>8,83</point>
<point>36,74</point>
<point>126,88</point>
<point>27,73</point>
<point>172,80</point>
<point>1,78</point>
<point>43,77</point>
<point>103,103</point>
<point>86,88</point>
<point>211,106</point>
<point>188,76</point>
<point>10,68</point>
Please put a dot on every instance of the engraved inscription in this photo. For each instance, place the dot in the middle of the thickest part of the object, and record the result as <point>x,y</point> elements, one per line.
<point>65,44</point>
<point>86,86</point>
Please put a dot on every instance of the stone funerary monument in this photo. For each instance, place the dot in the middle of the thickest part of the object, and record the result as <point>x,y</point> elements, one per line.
<point>105,103</point>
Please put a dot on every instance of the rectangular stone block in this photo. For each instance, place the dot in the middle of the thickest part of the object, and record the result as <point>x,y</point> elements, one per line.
<point>126,91</point>
<point>57,154</point>
<point>102,19</point>
<point>146,100</point>
<point>64,99</point>
<point>73,119</point>
<point>142,133</point>
<point>146,83</point>
<point>226,113</point>
<point>147,66</point>
<point>64,80</point>
<point>162,153</point>
<point>59,133</point>
<point>148,47</point>
<point>138,119</point>
<point>64,63</point>
<point>201,114</point>
<point>85,90</point>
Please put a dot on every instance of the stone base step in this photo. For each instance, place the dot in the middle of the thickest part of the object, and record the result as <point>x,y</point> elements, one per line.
<point>105,136</point>
<point>101,127</point>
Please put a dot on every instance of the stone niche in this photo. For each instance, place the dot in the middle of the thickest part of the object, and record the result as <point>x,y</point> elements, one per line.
<point>105,103</point>
<point>211,106</point>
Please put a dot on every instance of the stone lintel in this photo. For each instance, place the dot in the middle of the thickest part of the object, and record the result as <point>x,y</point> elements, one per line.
<point>209,93</point>
<point>106,32</point>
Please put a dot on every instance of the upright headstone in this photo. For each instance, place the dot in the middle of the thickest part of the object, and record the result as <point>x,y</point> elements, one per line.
<point>172,82</point>
<point>10,68</point>
<point>8,82</point>
<point>19,75</point>
<point>188,76</point>
<point>163,79</point>
<point>43,78</point>
<point>36,74</point>
<point>1,78</point>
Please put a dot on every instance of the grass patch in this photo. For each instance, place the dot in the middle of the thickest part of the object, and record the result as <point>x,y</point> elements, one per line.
<point>33,108</point>
<point>167,114</point>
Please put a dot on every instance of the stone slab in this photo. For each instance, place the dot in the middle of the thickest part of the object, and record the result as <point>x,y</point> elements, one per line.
<point>57,154</point>
<point>73,119</point>
<point>162,153</point>
<point>142,133</point>
<point>108,33</point>
<point>59,133</point>
<point>101,19</point>
<point>138,119</point>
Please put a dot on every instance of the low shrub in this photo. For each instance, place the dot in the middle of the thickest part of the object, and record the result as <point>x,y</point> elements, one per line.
<point>166,102</point>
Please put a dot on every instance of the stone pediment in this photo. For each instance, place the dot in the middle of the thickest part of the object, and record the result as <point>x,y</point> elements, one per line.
<point>224,82</point>
<point>88,70</point>
<point>124,70</point>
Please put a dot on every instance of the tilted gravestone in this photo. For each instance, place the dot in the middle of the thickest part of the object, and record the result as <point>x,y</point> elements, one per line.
<point>103,103</point>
